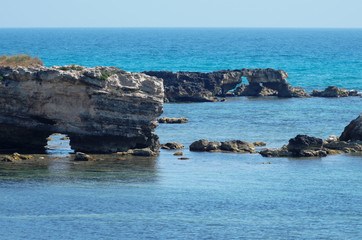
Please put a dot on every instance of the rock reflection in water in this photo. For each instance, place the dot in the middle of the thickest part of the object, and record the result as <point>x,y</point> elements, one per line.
<point>106,168</point>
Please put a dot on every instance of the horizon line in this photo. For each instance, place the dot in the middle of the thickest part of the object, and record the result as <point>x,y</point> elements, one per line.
<point>180,27</point>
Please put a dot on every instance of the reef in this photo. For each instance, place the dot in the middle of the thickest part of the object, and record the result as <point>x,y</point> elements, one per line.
<point>101,109</point>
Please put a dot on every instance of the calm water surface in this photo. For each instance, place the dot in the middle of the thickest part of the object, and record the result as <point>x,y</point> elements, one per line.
<point>211,195</point>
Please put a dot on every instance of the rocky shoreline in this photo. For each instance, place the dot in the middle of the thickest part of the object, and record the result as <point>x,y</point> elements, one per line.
<point>109,110</point>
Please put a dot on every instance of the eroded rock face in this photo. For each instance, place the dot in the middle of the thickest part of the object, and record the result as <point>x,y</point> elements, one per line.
<point>353,131</point>
<point>101,109</point>
<point>333,91</point>
<point>205,87</point>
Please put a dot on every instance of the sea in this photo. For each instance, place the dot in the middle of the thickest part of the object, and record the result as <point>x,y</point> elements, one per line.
<point>208,195</point>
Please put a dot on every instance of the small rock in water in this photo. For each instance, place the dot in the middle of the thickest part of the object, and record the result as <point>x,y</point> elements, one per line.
<point>172,120</point>
<point>79,156</point>
<point>172,146</point>
<point>64,138</point>
<point>49,139</point>
<point>259,144</point>
<point>178,154</point>
<point>183,158</point>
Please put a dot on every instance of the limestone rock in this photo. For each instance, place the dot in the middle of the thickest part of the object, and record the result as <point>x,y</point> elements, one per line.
<point>237,146</point>
<point>204,87</point>
<point>79,156</point>
<point>172,146</point>
<point>16,157</point>
<point>172,120</point>
<point>144,152</point>
<point>304,142</point>
<point>353,131</point>
<point>204,145</point>
<point>259,144</point>
<point>101,109</point>
<point>333,91</point>
<point>199,145</point>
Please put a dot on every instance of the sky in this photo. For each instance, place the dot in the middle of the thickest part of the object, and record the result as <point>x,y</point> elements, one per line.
<point>181,13</point>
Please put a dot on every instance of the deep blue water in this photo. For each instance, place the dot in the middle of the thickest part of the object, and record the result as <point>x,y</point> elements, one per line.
<point>211,195</point>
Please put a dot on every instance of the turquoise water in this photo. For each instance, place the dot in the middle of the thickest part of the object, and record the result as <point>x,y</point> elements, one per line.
<point>211,195</point>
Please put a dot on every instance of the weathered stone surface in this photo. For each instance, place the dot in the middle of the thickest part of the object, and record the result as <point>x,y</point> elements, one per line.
<point>353,131</point>
<point>199,145</point>
<point>259,144</point>
<point>172,146</point>
<point>204,145</point>
<point>101,109</point>
<point>305,146</point>
<point>333,91</point>
<point>79,156</point>
<point>237,146</point>
<point>172,120</point>
<point>144,152</point>
<point>304,142</point>
<point>16,157</point>
<point>204,87</point>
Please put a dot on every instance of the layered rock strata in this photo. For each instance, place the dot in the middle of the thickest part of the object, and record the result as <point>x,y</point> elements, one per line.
<point>101,109</point>
<point>205,87</point>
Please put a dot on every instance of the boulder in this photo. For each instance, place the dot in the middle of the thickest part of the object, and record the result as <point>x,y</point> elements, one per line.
<point>353,131</point>
<point>79,156</point>
<point>16,157</point>
<point>237,146</point>
<point>172,146</point>
<point>204,145</point>
<point>200,145</point>
<point>172,120</point>
<point>101,109</point>
<point>144,152</point>
<point>304,142</point>
<point>333,91</point>
<point>259,144</point>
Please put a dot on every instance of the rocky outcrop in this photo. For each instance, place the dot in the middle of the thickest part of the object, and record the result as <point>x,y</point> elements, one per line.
<point>306,146</point>
<point>353,131</point>
<point>172,120</point>
<point>204,145</point>
<point>101,109</point>
<point>333,91</point>
<point>205,87</point>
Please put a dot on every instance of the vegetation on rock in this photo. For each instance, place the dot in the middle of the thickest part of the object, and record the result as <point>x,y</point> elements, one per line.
<point>21,60</point>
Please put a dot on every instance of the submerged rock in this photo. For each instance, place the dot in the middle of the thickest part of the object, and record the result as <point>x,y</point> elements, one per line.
<point>353,131</point>
<point>101,109</point>
<point>204,145</point>
<point>172,120</point>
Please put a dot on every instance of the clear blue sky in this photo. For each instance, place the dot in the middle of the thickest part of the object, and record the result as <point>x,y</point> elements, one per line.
<point>181,13</point>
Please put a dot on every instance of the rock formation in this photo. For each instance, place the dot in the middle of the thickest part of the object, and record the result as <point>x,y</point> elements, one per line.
<point>204,145</point>
<point>353,131</point>
<point>333,91</point>
<point>172,146</point>
<point>306,146</point>
<point>172,120</point>
<point>205,87</point>
<point>101,109</point>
